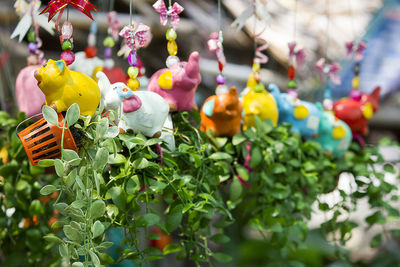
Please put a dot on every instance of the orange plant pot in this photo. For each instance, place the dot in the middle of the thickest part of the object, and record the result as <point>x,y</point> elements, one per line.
<point>42,140</point>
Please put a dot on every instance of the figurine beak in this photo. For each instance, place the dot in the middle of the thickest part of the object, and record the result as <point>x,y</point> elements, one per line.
<point>165,80</point>
<point>367,111</point>
<point>301,112</point>
<point>338,132</point>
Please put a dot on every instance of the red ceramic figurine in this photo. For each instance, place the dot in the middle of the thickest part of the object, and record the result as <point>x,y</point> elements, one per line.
<point>356,111</point>
<point>222,113</point>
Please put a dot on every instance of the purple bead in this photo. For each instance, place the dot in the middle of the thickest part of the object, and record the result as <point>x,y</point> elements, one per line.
<point>107,52</point>
<point>355,95</point>
<point>132,59</point>
<point>293,93</point>
<point>220,79</point>
<point>32,47</point>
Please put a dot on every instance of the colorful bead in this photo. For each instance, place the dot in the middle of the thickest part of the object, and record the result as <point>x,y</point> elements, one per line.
<point>31,36</point>
<point>133,84</point>
<point>108,63</point>
<point>172,48</point>
<point>171,34</point>
<point>356,69</point>
<point>222,88</point>
<point>133,72</point>
<point>220,66</point>
<point>67,45</point>
<point>220,79</point>
<point>171,61</point>
<point>256,66</point>
<point>293,93</point>
<point>132,59</point>
<point>92,39</point>
<point>107,52</point>
<point>32,60</point>
<point>90,51</point>
<point>68,56</point>
<point>291,73</point>
<point>257,77</point>
<point>32,47</point>
<point>355,94</point>
<point>292,84</point>
<point>67,30</point>
<point>259,87</point>
<point>355,82</point>
<point>109,41</point>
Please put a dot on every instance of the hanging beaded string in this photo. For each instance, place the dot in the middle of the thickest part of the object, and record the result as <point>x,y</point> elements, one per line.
<point>297,56</point>
<point>328,72</point>
<point>135,37</point>
<point>91,50</point>
<point>172,12</point>
<point>67,42</point>
<point>58,6</point>
<point>112,37</point>
<point>215,44</point>
<point>355,52</point>
<point>35,54</point>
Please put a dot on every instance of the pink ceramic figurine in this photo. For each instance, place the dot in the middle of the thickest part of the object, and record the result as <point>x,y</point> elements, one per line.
<point>29,96</point>
<point>178,84</point>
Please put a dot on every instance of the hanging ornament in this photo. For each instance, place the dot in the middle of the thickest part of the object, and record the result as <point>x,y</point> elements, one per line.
<point>172,12</point>
<point>330,70</point>
<point>30,17</point>
<point>298,57</point>
<point>135,37</point>
<point>215,45</point>
<point>352,48</point>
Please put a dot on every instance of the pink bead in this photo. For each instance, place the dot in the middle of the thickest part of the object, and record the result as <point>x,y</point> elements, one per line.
<point>67,30</point>
<point>68,56</point>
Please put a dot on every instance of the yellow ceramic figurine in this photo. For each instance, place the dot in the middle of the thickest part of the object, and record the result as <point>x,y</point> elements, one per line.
<point>258,101</point>
<point>63,87</point>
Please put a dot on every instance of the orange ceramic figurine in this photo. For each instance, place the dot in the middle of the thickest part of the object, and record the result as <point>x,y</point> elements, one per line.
<point>63,87</point>
<point>222,114</point>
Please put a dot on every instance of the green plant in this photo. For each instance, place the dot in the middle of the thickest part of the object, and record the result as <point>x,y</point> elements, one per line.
<point>202,191</point>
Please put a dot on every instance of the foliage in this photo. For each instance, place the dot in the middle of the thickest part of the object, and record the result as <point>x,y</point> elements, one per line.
<point>26,215</point>
<point>203,190</point>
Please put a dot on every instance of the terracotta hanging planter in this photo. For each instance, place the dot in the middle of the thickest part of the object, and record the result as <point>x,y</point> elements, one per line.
<point>42,140</point>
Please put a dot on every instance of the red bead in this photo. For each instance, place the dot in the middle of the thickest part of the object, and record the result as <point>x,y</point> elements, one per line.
<point>220,66</point>
<point>90,51</point>
<point>291,73</point>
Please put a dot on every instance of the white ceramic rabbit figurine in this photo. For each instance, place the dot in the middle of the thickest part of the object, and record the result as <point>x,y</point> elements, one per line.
<point>141,111</point>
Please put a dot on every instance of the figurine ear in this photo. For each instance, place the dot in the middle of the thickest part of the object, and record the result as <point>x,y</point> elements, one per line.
<point>131,104</point>
<point>208,108</point>
<point>233,91</point>
<point>376,93</point>
<point>60,64</point>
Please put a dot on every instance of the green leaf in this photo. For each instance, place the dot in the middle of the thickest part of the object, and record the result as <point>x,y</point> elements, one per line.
<point>118,196</point>
<point>376,241</point>
<point>101,128</point>
<point>50,115</point>
<point>47,190</point>
<point>220,238</point>
<point>78,180</point>
<point>171,248</point>
<point>148,219</point>
<point>59,167</point>
<point>220,156</point>
<point>73,114</point>
<point>72,157</point>
<point>72,233</point>
<point>63,249</point>
<point>116,159</point>
<point>222,257</point>
<point>97,209</point>
<point>95,259</point>
<point>112,132</point>
<point>46,163</point>
<point>101,159</point>
<point>97,229</point>
<point>77,264</point>
<point>51,238</point>
<point>140,163</point>
<point>238,139</point>
<point>236,189</point>
<point>256,157</point>
<point>389,168</point>
<point>174,218</point>
<point>276,228</point>
<point>133,185</point>
<point>277,168</point>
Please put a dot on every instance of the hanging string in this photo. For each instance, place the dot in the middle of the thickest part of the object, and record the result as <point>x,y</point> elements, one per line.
<point>327,28</point>
<point>351,19</point>
<point>295,21</point>
<point>131,12</point>
<point>254,31</point>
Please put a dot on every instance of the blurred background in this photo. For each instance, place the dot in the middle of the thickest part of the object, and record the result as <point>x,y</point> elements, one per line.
<point>321,27</point>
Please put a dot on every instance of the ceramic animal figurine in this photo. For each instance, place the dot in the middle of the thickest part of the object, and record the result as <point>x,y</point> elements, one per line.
<point>258,101</point>
<point>178,84</point>
<point>63,87</point>
<point>356,113</point>
<point>29,96</point>
<point>302,115</point>
<point>141,111</point>
<point>334,135</point>
<point>85,64</point>
<point>222,114</point>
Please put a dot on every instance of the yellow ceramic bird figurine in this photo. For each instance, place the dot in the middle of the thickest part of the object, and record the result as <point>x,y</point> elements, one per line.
<point>63,87</point>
